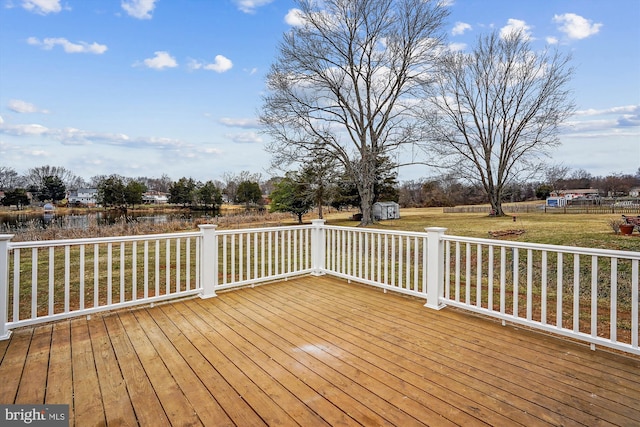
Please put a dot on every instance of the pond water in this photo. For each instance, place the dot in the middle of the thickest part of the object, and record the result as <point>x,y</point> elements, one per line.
<point>13,221</point>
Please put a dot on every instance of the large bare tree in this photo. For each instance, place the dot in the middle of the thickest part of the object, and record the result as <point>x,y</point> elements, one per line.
<point>499,109</point>
<point>345,83</point>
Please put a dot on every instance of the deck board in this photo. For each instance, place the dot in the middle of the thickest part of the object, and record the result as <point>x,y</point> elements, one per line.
<point>314,351</point>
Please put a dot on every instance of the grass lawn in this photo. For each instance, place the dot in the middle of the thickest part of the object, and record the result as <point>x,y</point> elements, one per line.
<point>583,230</point>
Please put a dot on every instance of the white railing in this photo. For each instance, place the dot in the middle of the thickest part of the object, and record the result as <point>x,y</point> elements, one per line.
<point>586,294</point>
<point>56,279</point>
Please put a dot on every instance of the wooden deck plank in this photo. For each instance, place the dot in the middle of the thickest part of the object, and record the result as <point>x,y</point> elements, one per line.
<point>359,348</point>
<point>585,403</point>
<point>116,401</point>
<point>203,403</point>
<point>87,401</point>
<point>176,406</point>
<point>13,365</point>
<point>60,375</point>
<point>33,383</point>
<point>204,337</point>
<point>168,318</point>
<point>262,370</point>
<point>583,381</point>
<point>250,345</point>
<point>273,330</point>
<point>144,400</point>
<point>314,351</point>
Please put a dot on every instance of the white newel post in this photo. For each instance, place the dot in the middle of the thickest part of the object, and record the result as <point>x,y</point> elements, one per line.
<point>318,247</point>
<point>209,260</point>
<point>4,284</point>
<point>435,267</point>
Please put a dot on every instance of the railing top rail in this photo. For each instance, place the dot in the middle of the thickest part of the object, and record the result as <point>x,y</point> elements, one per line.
<point>264,229</point>
<point>378,231</point>
<point>97,240</point>
<point>545,247</point>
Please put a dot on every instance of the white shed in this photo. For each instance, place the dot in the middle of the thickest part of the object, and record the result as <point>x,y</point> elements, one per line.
<point>386,210</point>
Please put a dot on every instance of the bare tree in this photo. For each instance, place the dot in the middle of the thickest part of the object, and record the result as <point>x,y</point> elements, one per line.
<point>35,176</point>
<point>8,178</point>
<point>345,83</point>
<point>499,109</point>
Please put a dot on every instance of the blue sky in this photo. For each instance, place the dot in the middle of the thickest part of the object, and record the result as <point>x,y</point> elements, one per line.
<point>146,87</point>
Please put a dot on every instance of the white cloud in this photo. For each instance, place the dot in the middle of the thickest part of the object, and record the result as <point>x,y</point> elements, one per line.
<point>626,109</point>
<point>220,64</point>
<point>69,47</point>
<point>42,7</point>
<point>140,9</point>
<point>19,106</point>
<point>250,6</point>
<point>457,47</point>
<point>575,26</point>
<point>245,137</point>
<point>240,123</point>
<point>516,25</point>
<point>459,28</point>
<point>551,40</point>
<point>294,18</point>
<point>160,61</point>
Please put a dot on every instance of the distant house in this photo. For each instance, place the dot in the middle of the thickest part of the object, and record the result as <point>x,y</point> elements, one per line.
<point>386,210</point>
<point>634,192</point>
<point>83,196</point>
<point>155,197</point>
<point>569,195</point>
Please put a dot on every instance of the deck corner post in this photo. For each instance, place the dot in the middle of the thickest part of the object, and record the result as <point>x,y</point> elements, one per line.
<point>5,333</point>
<point>435,267</point>
<point>209,260</point>
<point>318,247</point>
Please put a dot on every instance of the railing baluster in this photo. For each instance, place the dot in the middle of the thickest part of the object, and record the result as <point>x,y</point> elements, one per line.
<point>34,283</point>
<point>516,277</point>
<point>51,279</point>
<point>490,266</point>
<point>613,321</point>
<point>96,278</point>
<point>559,291</point>
<point>146,269</point>
<point>16,284</point>
<point>594,296</point>
<point>109,273</point>
<point>167,275</point>
<point>134,271</point>
<point>544,289</point>
<point>467,274</point>
<point>224,259</point>
<point>447,270</point>
<point>457,272</point>
<point>503,279</point>
<point>123,270</point>
<point>479,275</point>
<point>157,267</point>
<point>82,284</point>
<point>178,264</point>
<point>634,303</point>
<point>529,284</point>
<point>576,293</point>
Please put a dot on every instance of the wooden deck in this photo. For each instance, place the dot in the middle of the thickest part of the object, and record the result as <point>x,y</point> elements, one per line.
<point>313,351</point>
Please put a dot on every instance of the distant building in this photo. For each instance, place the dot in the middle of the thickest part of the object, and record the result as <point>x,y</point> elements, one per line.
<point>569,195</point>
<point>386,210</point>
<point>83,196</point>
<point>155,197</point>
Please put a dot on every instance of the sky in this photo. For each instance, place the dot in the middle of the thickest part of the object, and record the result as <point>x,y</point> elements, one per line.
<point>153,87</point>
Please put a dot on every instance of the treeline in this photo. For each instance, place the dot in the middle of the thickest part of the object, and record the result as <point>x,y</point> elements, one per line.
<point>297,192</point>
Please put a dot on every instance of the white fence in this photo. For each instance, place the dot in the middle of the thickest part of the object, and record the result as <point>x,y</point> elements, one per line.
<point>586,294</point>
